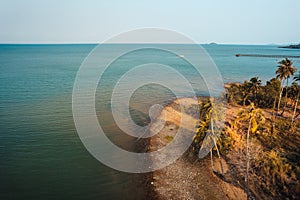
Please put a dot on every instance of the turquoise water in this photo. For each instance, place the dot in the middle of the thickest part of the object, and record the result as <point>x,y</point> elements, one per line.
<point>41,155</point>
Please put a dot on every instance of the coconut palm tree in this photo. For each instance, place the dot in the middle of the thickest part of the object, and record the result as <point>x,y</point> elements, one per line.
<point>255,84</point>
<point>284,71</point>
<point>254,117</point>
<point>245,90</point>
<point>210,116</point>
<point>296,78</point>
<point>231,92</point>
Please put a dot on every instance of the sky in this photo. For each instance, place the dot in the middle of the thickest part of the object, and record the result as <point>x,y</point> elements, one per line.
<point>92,21</point>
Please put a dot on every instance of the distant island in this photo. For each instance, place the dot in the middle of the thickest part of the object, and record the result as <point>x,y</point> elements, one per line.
<point>293,46</point>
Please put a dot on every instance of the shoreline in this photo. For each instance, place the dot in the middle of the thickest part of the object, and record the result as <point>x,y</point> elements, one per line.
<point>187,177</point>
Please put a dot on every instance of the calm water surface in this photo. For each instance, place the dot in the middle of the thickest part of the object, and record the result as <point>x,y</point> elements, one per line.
<point>41,155</point>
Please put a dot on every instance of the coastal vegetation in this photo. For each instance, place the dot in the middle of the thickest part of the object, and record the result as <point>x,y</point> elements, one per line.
<point>260,136</point>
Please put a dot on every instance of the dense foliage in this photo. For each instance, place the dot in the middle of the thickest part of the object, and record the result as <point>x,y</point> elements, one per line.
<point>270,114</point>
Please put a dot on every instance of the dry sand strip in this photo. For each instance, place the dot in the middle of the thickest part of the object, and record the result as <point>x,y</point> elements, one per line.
<point>184,179</point>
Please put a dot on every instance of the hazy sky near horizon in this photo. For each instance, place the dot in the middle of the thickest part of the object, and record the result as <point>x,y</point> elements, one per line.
<point>92,21</point>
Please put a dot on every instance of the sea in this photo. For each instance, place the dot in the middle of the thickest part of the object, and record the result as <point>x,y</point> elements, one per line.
<point>41,154</point>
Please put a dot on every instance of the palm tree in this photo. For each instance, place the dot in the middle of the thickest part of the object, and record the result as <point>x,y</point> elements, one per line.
<point>296,78</point>
<point>255,84</point>
<point>254,117</point>
<point>285,69</point>
<point>231,92</point>
<point>270,97</point>
<point>245,90</point>
<point>211,114</point>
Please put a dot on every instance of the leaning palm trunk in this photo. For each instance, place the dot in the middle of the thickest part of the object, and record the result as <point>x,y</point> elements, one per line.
<point>286,96</point>
<point>286,90</point>
<point>215,143</point>
<point>274,116</point>
<point>279,100</point>
<point>295,108</point>
<point>247,161</point>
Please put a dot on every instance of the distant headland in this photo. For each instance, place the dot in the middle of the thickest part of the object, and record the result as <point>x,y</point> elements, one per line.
<point>293,46</point>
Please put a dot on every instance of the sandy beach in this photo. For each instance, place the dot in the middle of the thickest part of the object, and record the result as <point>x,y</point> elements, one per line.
<point>188,177</point>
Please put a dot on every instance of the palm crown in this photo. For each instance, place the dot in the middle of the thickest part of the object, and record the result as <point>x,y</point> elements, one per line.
<point>285,69</point>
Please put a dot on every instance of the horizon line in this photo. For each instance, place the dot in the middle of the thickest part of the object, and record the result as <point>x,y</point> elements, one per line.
<point>95,43</point>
